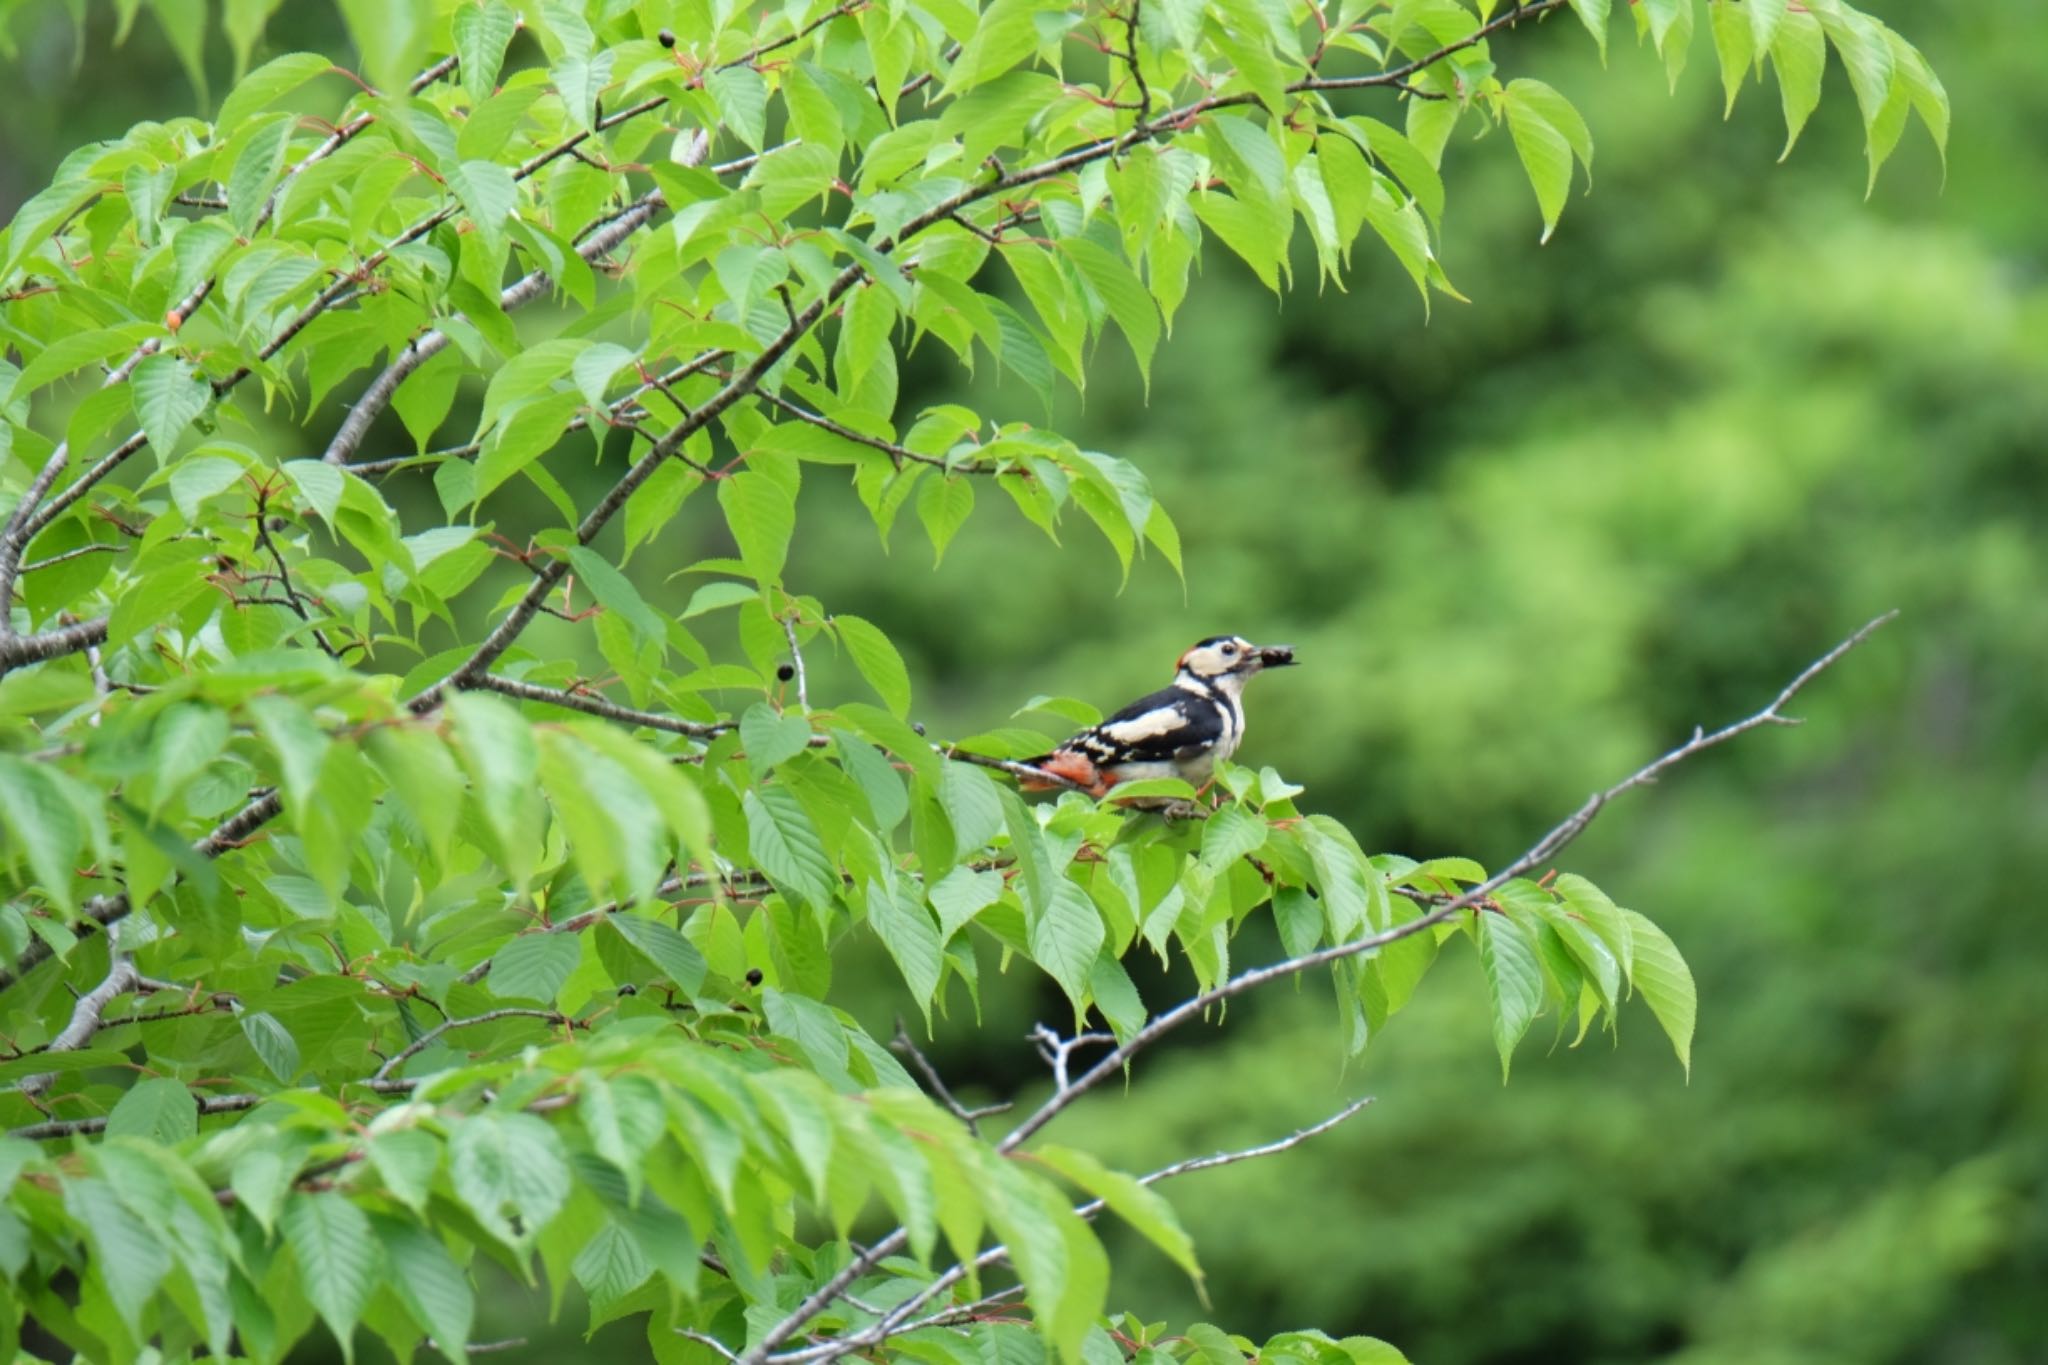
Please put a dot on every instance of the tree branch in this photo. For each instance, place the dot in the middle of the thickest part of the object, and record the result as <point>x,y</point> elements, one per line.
<point>86,1017</point>
<point>434,1034</point>
<point>59,1128</point>
<point>903,1043</point>
<point>796,663</point>
<point>18,651</point>
<point>594,705</point>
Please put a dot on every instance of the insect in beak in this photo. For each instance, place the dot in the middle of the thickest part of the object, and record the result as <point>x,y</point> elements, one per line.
<point>1275,656</point>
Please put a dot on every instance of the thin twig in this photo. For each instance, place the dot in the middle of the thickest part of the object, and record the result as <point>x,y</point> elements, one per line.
<point>703,1339</point>
<point>593,705</point>
<point>1015,769</point>
<point>60,1128</point>
<point>90,548</point>
<point>1131,60</point>
<point>906,1045</point>
<point>796,663</point>
<point>434,1034</point>
<point>1058,1052</point>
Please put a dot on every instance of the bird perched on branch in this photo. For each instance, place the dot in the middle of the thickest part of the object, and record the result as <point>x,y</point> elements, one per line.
<point>1178,731</point>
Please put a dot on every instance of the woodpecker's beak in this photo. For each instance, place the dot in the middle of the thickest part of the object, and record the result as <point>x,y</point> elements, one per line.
<point>1276,656</point>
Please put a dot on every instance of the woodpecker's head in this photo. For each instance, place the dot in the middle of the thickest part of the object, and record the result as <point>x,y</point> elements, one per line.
<point>1232,656</point>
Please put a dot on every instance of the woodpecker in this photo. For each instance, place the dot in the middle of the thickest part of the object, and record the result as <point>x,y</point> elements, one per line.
<point>1178,731</point>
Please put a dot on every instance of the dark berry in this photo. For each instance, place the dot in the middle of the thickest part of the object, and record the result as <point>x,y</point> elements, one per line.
<point>667,37</point>
<point>786,672</point>
<point>753,976</point>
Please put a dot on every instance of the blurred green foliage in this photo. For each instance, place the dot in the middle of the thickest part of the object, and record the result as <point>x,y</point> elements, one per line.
<point>1719,420</point>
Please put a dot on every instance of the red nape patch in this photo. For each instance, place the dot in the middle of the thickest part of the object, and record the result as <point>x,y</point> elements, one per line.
<point>1075,768</point>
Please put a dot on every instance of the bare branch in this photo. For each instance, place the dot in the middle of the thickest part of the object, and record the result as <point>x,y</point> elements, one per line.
<point>1398,75</point>
<point>796,663</point>
<point>703,1340</point>
<point>90,548</point>
<point>18,651</point>
<point>1264,1149</point>
<point>1058,1052</point>
<point>1012,767</point>
<point>434,1034</point>
<point>904,1044</point>
<point>59,1128</point>
<point>1130,55</point>
<point>594,705</point>
<point>86,1017</point>
<point>895,452</point>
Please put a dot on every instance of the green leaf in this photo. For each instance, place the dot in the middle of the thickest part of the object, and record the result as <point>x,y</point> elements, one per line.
<point>1593,14</point>
<point>905,927</point>
<point>184,25</point>
<point>1143,1207</point>
<point>391,35</point>
<point>433,1288</point>
<point>127,1256</point>
<point>675,956</point>
<point>943,505</point>
<point>1228,835</point>
<point>1126,296</point>
<point>259,164</point>
<point>1547,133</point>
<point>1764,18</point>
<point>41,822</point>
<point>1065,937</point>
<point>1734,47</point>
<point>785,845</point>
<point>1665,983</point>
<point>340,1263</point>
<point>159,1110</point>
<point>1005,35</point>
<point>973,804</point>
<point>185,739</point>
<point>762,516</point>
<point>169,395</point>
<point>877,660</point>
<point>274,1044</point>
<point>534,966</point>
<point>616,593</point>
<point>497,749</point>
<point>482,33</point>
<point>1514,980</point>
<point>488,194</point>
<point>509,1163</point>
<point>772,737</point>
<point>1799,54</point>
<point>894,735</point>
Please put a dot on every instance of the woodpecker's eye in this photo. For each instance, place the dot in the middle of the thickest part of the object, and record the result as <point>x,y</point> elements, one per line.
<point>1229,651</point>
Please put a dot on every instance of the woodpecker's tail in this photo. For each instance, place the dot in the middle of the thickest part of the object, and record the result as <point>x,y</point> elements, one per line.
<point>1076,768</point>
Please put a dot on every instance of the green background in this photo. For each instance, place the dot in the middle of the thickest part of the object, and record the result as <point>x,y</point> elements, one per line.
<point>1732,410</point>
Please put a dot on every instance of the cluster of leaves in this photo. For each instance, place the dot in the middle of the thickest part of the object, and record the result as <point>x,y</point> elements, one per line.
<point>351,933</point>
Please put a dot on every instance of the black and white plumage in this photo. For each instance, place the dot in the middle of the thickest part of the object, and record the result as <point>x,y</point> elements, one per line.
<point>1178,731</point>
